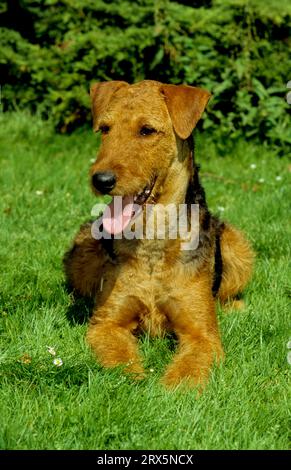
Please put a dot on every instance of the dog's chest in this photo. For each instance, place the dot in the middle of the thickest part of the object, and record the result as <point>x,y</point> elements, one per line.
<point>147,273</point>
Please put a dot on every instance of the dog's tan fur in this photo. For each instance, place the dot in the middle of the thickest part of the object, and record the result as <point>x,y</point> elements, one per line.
<point>153,285</point>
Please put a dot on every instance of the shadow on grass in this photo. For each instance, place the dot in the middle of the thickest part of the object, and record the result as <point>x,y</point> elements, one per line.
<point>80,308</point>
<point>41,372</point>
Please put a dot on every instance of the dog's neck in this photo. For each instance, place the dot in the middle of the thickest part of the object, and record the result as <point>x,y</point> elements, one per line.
<point>182,183</point>
<point>195,193</point>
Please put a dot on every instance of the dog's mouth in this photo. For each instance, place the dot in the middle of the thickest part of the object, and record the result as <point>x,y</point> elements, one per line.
<point>142,197</point>
<point>123,209</point>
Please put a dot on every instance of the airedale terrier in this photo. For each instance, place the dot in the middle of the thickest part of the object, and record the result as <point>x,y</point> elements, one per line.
<point>146,157</point>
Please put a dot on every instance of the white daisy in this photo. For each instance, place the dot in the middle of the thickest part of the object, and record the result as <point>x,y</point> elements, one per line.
<point>58,362</point>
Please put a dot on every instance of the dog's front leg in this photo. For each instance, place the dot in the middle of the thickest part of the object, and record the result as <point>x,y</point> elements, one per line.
<point>193,320</point>
<point>110,334</point>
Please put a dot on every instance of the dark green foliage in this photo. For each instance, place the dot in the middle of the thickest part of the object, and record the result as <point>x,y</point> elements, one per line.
<point>238,49</point>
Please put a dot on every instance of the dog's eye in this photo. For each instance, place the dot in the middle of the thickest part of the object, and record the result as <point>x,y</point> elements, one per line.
<point>146,130</point>
<point>104,129</point>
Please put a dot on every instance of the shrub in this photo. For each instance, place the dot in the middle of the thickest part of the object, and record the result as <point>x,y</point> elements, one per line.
<point>239,50</point>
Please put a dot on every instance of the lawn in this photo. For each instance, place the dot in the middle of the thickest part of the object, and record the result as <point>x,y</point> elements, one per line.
<point>77,405</point>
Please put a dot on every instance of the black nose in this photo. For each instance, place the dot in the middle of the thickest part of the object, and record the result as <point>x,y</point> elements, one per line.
<point>104,181</point>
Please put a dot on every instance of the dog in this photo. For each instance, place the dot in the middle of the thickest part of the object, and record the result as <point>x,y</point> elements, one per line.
<point>153,285</point>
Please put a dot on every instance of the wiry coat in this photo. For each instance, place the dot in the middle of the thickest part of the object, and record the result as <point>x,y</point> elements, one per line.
<point>153,285</point>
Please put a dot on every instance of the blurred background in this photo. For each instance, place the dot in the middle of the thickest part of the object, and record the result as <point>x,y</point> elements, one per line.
<point>239,50</point>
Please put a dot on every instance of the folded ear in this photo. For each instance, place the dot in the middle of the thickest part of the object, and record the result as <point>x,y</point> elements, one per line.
<point>185,105</point>
<point>101,94</point>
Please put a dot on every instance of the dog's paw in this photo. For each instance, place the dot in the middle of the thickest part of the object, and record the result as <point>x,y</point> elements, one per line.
<point>178,377</point>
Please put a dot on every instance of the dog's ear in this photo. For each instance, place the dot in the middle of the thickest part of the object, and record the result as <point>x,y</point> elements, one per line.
<point>101,94</point>
<point>185,105</point>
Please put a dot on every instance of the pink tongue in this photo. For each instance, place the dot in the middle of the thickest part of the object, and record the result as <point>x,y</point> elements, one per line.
<point>118,214</point>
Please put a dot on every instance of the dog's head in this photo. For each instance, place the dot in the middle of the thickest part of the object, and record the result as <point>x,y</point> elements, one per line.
<point>143,129</point>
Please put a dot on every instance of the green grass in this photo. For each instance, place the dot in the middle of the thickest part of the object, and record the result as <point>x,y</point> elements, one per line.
<point>44,197</point>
